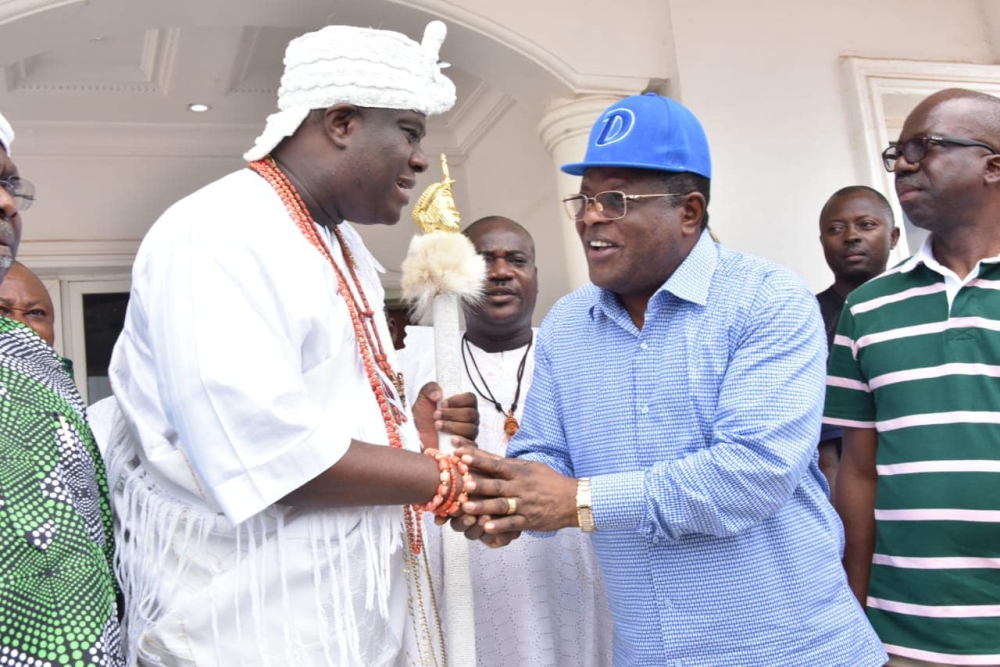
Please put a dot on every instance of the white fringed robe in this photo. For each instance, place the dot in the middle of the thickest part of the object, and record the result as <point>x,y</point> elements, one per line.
<point>239,379</point>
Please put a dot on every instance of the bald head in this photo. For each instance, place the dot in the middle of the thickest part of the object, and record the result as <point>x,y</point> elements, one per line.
<point>24,298</point>
<point>498,223</point>
<point>981,112</point>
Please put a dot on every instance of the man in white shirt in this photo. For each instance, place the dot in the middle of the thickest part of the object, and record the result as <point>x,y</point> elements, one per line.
<point>540,601</point>
<point>262,518</point>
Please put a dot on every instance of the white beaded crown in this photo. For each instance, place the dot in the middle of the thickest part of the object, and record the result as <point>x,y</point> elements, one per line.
<point>362,66</point>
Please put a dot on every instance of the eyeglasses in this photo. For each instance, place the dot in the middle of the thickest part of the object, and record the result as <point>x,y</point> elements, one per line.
<point>612,205</point>
<point>915,149</point>
<point>21,189</point>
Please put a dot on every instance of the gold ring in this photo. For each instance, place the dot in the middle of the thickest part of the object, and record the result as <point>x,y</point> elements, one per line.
<point>511,506</point>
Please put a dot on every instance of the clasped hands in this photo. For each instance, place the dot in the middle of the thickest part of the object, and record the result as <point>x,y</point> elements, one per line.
<point>506,496</point>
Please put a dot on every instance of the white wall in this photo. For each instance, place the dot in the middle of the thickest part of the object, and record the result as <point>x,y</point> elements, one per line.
<point>766,81</point>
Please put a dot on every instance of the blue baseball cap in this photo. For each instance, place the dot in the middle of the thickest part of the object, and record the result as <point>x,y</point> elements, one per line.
<point>647,132</point>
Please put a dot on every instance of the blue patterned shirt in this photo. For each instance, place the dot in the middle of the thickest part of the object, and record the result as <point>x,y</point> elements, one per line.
<point>714,532</point>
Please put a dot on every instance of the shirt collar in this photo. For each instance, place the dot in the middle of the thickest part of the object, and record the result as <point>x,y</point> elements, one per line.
<point>689,282</point>
<point>925,256</point>
<point>922,256</point>
<point>692,278</point>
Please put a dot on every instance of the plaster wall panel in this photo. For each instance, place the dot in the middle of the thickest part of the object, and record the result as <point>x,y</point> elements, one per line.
<point>766,80</point>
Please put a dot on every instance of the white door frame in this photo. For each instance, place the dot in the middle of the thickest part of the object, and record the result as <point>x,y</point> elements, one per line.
<point>74,335</point>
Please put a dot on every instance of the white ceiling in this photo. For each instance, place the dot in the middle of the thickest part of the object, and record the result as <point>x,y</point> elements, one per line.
<point>152,75</point>
<point>102,97</point>
<point>98,90</point>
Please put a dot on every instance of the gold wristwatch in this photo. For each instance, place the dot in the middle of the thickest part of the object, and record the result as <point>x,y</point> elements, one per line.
<point>584,514</point>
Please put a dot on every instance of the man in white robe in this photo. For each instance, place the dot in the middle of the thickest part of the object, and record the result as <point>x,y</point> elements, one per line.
<point>260,512</point>
<point>539,602</point>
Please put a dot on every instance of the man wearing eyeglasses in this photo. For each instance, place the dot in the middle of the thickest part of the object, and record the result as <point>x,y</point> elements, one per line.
<point>57,592</point>
<point>913,383</point>
<point>674,416</point>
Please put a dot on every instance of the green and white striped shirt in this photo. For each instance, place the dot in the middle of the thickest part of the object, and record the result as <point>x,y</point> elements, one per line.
<point>917,357</point>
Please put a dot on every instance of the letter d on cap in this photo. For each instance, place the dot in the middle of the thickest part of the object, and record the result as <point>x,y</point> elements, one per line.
<point>617,125</point>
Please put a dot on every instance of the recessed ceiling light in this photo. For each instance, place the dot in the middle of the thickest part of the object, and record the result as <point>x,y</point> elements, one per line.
<point>444,65</point>
<point>198,107</point>
<point>96,39</point>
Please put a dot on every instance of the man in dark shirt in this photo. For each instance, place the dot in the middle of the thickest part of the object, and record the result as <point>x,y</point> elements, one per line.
<point>857,230</point>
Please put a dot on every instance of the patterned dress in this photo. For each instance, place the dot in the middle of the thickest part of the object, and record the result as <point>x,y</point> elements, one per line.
<point>57,588</point>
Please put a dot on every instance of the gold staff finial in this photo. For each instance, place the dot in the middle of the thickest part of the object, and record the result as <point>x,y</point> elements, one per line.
<point>436,210</point>
<point>444,168</point>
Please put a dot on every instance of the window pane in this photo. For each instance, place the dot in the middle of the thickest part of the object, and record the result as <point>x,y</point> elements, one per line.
<point>103,319</point>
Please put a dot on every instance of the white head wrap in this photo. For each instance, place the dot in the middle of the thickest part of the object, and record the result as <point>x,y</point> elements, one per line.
<point>6,134</point>
<point>362,66</point>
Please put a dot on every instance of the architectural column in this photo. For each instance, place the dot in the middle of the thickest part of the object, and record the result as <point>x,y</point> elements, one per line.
<point>564,131</point>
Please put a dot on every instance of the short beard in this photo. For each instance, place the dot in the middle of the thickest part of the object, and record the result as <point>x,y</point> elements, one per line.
<point>859,276</point>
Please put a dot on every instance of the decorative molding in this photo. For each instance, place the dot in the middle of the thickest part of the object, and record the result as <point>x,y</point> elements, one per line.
<point>151,75</point>
<point>479,112</point>
<point>180,140</point>
<point>579,82</point>
<point>871,82</point>
<point>568,118</point>
<point>55,257</point>
<point>241,81</point>
<point>159,53</point>
<point>15,10</point>
<point>205,140</point>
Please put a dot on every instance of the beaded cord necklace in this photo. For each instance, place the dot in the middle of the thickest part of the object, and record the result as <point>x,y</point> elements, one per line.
<point>510,425</point>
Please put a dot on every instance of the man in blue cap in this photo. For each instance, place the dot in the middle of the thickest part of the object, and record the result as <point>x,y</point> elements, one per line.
<point>674,415</point>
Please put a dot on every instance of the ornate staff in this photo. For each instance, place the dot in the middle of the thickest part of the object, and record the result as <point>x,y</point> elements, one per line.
<point>441,269</point>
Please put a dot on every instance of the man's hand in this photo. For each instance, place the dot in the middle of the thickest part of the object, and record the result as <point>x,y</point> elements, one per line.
<point>472,526</point>
<point>514,496</point>
<point>457,415</point>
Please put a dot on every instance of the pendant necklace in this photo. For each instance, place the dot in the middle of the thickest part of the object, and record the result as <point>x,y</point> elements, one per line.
<point>510,425</point>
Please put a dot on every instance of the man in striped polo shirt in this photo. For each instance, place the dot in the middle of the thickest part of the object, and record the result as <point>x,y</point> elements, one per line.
<point>913,382</point>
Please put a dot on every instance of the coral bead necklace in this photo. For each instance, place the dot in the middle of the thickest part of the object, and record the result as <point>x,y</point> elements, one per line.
<point>384,381</point>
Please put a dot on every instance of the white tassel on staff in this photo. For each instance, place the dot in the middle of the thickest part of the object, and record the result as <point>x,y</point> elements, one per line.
<point>442,269</point>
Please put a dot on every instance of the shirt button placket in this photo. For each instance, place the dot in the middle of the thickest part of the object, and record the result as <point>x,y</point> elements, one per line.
<point>642,363</point>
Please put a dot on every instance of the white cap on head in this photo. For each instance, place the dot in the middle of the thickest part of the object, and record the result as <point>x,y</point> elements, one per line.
<point>6,134</point>
<point>362,66</point>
